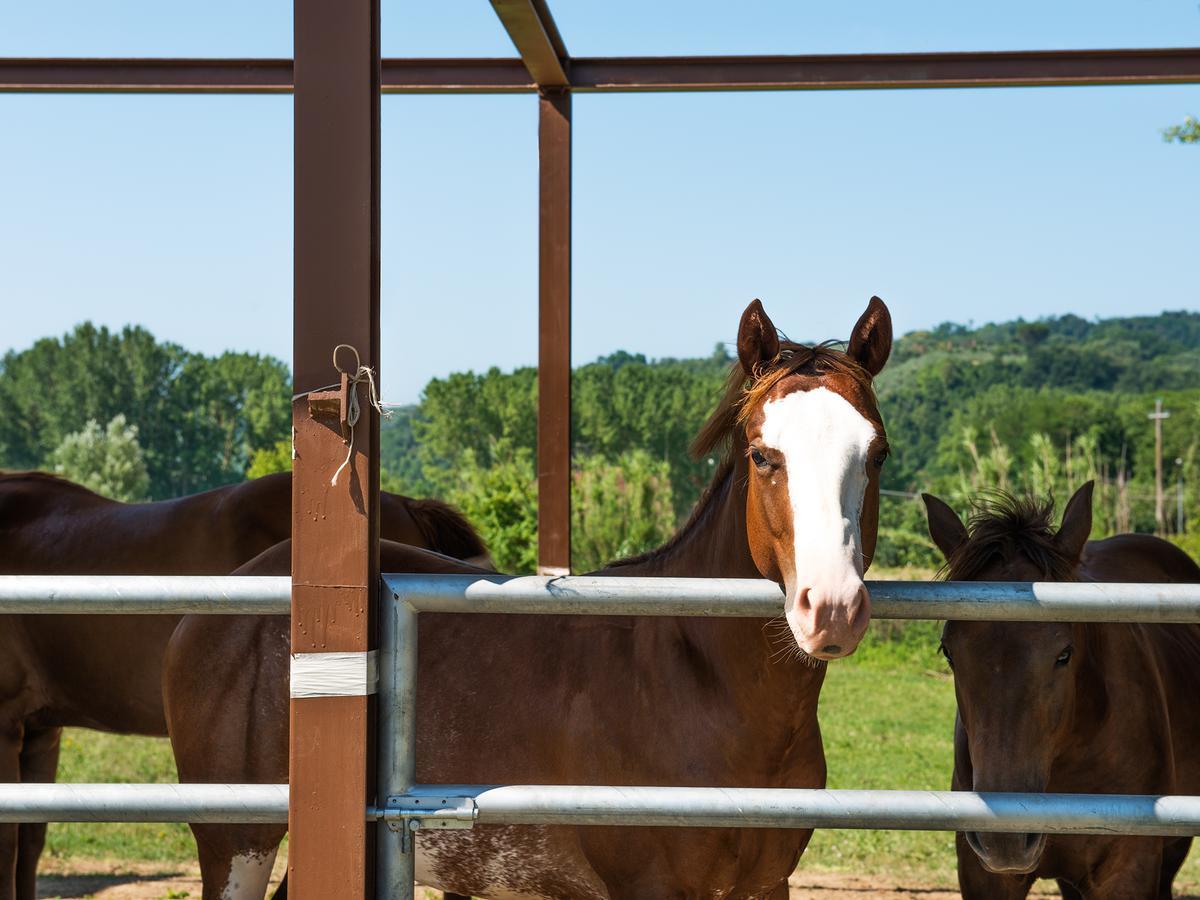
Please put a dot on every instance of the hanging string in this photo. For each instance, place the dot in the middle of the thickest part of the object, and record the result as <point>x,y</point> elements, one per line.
<point>353,410</point>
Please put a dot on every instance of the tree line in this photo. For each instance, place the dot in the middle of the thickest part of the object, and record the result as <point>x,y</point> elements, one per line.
<point>1025,406</point>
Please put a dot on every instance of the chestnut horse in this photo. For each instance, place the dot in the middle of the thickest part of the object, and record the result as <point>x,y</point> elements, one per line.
<point>1068,707</point>
<point>608,700</point>
<point>106,671</point>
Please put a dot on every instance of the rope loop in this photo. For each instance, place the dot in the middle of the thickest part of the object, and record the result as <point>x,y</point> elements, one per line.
<point>361,374</point>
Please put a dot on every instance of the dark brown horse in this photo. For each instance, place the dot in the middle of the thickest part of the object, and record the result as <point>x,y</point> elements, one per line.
<point>1071,708</point>
<point>608,700</point>
<point>106,671</point>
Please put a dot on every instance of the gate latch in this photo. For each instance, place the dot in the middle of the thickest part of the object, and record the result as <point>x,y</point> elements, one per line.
<point>411,814</point>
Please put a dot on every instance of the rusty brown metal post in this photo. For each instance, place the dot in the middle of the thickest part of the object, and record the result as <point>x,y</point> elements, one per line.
<point>335,526</point>
<point>554,333</point>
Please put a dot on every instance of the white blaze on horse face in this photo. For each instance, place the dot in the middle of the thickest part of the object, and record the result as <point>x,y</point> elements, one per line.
<point>824,441</point>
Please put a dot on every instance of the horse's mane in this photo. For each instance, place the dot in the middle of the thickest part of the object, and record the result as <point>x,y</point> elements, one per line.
<point>59,481</point>
<point>1003,526</point>
<point>446,528</point>
<point>743,394</point>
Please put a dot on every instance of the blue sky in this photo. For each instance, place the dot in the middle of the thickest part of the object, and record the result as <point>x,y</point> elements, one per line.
<point>175,212</point>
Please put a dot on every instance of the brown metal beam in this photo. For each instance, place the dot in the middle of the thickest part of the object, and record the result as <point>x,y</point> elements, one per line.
<point>619,74</point>
<point>250,76</point>
<point>536,37</point>
<point>335,526</point>
<point>554,334</point>
<point>887,70</point>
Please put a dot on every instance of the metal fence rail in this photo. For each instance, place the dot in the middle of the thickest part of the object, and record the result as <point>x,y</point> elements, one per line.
<point>589,595</point>
<point>753,597</point>
<point>146,594</point>
<point>243,803</point>
<point>798,808</point>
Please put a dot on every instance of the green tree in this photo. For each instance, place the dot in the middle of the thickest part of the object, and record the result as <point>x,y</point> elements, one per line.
<point>269,460</point>
<point>501,501</point>
<point>108,460</point>
<point>199,419</point>
<point>1187,133</point>
<point>619,508</point>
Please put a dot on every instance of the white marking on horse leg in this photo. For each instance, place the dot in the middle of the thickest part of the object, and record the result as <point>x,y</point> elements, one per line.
<point>249,876</point>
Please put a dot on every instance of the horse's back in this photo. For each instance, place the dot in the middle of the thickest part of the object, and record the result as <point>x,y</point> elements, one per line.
<point>1138,558</point>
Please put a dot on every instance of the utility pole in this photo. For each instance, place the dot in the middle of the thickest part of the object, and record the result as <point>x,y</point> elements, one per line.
<point>1160,519</point>
<point>1178,495</point>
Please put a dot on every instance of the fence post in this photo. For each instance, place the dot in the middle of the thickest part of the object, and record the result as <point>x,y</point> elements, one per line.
<point>335,524</point>
<point>554,333</point>
<point>397,740</point>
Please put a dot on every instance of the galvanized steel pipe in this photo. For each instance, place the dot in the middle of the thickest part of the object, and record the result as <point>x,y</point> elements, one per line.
<point>240,803</point>
<point>592,595</point>
<point>146,594</point>
<point>798,808</point>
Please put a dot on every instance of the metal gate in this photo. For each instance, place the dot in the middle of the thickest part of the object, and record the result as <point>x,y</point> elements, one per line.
<point>406,807</point>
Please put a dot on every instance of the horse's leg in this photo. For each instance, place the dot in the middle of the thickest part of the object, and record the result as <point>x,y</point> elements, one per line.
<point>977,883</point>
<point>10,771</point>
<point>1068,890</point>
<point>1175,852</point>
<point>236,860</point>
<point>39,764</point>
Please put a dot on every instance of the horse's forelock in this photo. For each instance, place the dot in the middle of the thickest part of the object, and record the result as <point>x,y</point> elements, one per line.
<point>744,394</point>
<point>1003,526</point>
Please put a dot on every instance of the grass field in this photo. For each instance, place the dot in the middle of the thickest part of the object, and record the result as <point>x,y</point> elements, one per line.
<point>886,715</point>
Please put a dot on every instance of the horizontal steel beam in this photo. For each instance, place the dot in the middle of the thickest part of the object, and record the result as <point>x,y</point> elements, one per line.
<point>250,76</point>
<point>1039,68</point>
<point>591,595</point>
<point>240,803</point>
<point>799,808</point>
<point>146,594</point>
<point>1043,68</point>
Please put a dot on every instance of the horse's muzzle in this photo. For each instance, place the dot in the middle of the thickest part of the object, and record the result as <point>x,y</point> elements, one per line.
<point>1007,854</point>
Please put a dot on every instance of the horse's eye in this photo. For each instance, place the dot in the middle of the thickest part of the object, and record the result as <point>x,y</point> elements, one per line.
<point>880,458</point>
<point>1064,657</point>
<point>757,456</point>
<point>946,653</point>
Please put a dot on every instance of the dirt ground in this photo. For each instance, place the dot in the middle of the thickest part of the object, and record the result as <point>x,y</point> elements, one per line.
<point>148,884</point>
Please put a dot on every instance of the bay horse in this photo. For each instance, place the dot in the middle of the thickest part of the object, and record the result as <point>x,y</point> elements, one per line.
<point>608,700</point>
<point>105,672</point>
<point>1068,707</point>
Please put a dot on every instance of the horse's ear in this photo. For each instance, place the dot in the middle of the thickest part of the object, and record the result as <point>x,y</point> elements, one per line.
<point>871,340</point>
<point>1076,524</point>
<point>758,341</point>
<point>945,527</point>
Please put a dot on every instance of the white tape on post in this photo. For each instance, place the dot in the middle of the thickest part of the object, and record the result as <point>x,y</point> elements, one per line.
<point>335,674</point>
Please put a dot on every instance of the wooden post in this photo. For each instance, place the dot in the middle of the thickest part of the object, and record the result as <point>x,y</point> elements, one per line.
<point>335,527</point>
<point>554,333</point>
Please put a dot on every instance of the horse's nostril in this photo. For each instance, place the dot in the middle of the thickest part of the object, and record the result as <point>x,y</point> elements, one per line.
<point>831,649</point>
